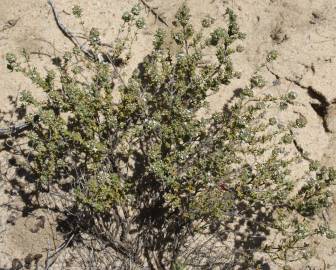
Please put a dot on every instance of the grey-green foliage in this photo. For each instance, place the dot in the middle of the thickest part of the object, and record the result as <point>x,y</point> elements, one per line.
<point>149,150</point>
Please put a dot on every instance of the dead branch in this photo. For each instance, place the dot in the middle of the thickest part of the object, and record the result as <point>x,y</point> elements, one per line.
<point>51,259</point>
<point>69,34</point>
<point>152,10</point>
<point>72,37</point>
<point>14,130</point>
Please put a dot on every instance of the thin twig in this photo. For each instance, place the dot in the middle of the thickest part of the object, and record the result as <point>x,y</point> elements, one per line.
<point>68,33</point>
<point>116,69</point>
<point>152,10</point>
<point>64,245</point>
<point>72,37</point>
<point>14,130</point>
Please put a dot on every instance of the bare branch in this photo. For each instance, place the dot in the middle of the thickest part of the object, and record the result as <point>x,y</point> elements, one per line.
<point>152,10</point>
<point>69,34</point>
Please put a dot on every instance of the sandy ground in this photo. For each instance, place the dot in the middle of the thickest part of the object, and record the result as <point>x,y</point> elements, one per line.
<point>302,31</point>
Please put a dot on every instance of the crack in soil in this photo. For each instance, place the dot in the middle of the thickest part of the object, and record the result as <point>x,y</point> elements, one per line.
<point>321,108</point>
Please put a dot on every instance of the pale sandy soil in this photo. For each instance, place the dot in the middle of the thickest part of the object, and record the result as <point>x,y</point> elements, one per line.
<point>302,31</point>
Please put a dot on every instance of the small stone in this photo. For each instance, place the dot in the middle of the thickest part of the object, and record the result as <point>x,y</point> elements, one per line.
<point>16,264</point>
<point>11,219</point>
<point>37,257</point>
<point>38,225</point>
<point>317,16</point>
<point>28,260</point>
<point>278,35</point>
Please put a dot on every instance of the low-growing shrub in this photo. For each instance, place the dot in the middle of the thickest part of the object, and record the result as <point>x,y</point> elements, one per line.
<point>148,163</point>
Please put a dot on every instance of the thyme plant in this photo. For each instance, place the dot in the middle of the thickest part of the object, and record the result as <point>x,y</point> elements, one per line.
<point>148,163</point>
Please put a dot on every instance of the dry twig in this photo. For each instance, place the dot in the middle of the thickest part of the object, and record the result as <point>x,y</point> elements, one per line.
<point>69,34</point>
<point>51,259</point>
<point>13,130</point>
<point>152,10</point>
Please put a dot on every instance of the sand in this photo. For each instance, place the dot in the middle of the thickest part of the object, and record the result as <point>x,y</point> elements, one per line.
<point>302,31</point>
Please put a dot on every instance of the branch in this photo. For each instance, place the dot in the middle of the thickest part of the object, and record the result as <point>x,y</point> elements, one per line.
<point>72,37</point>
<point>13,130</point>
<point>152,10</point>
<point>51,259</point>
<point>68,33</point>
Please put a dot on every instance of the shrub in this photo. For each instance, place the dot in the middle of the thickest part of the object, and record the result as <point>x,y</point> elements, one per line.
<point>148,163</point>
